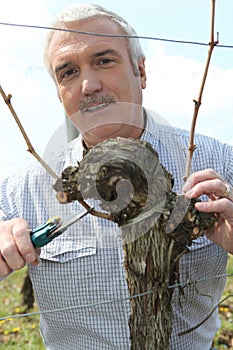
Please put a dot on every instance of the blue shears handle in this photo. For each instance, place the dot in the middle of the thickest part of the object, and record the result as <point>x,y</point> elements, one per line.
<point>54,227</point>
<point>41,235</point>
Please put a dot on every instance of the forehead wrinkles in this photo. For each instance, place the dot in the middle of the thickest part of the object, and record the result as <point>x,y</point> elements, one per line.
<point>74,46</point>
<point>92,25</point>
<point>62,41</point>
<point>70,43</point>
<point>83,40</point>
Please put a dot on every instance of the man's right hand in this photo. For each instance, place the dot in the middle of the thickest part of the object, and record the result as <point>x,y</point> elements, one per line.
<point>16,248</point>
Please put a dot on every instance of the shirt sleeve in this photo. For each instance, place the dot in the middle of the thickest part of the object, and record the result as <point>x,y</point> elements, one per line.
<point>228,164</point>
<point>8,206</point>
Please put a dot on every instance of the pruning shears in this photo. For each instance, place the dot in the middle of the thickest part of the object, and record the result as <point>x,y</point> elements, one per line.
<point>54,227</point>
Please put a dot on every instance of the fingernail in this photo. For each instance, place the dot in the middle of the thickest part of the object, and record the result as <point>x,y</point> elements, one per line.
<point>29,257</point>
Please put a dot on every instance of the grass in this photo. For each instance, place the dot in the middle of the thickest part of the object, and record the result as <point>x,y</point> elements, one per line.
<point>23,333</point>
<point>19,333</point>
<point>224,337</point>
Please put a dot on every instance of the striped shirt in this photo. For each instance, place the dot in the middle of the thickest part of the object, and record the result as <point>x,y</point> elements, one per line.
<point>82,270</point>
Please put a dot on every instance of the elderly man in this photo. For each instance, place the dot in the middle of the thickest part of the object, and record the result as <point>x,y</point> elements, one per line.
<point>99,80</point>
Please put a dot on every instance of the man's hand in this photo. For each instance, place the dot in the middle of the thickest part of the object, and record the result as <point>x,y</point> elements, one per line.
<point>16,248</point>
<point>220,202</point>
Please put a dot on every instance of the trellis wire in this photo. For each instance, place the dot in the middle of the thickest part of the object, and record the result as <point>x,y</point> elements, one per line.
<point>177,285</point>
<point>111,301</point>
<point>113,35</point>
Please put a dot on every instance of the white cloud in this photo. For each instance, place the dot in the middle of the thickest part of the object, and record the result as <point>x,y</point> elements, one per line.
<point>173,83</point>
<point>22,74</point>
<point>21,48</point>
<point>24,11</point>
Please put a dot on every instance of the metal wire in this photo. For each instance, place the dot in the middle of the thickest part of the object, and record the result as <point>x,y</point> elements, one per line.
<point>113,35</point>
<point>177,285</point>
<point>111,301</point>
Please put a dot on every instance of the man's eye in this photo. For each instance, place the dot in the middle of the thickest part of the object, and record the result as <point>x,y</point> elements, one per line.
<point>68,74</point>
<point>105,61</point>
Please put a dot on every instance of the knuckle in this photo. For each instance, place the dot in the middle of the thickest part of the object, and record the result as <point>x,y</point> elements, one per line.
<point>4,225</point>
<point>18,233</point>
<point>19,227</point>
<point>219,183</point>
<point>211,171</point>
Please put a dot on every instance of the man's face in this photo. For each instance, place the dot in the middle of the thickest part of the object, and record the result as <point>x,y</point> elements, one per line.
<point>96,81</point>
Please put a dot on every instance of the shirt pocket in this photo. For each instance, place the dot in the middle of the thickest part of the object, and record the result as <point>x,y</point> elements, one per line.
<point>63,249</point>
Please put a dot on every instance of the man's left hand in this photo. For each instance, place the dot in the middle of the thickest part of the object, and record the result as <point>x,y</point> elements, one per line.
<point>220,202</point>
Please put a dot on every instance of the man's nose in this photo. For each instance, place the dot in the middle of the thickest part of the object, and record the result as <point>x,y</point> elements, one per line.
<point>91,84</point>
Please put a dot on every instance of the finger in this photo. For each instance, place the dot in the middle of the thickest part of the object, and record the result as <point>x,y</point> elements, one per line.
<point>228,193</point>
<point>21,234</point>
<point>221,206</point>
<point>4,268</point>
<point>214,188</point>
<point>9,251</point>
<point>200,176</point>
<point>15,248</point>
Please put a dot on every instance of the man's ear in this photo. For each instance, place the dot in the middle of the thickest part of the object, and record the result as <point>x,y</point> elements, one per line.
<point>142,71</point>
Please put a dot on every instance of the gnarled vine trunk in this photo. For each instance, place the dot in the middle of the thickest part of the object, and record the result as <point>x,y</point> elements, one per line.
<point>157,227</point>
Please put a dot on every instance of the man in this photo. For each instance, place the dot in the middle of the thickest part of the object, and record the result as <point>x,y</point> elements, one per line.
<point>99,80</point>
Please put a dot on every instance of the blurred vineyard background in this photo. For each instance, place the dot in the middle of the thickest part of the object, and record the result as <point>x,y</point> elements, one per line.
<point>23,333</point>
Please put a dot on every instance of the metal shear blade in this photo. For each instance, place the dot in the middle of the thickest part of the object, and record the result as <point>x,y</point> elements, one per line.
<point>67,222</point>
<point>54,227</point>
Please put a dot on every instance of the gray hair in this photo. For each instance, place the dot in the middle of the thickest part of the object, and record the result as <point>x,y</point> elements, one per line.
<point>83,11</point>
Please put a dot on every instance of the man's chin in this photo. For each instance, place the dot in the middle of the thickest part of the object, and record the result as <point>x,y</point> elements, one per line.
<point>102,133</point>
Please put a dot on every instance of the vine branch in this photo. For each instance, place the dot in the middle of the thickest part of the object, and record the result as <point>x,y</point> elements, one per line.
<point>197,103</point>
<point>7,99</point>
<point>207,317</point>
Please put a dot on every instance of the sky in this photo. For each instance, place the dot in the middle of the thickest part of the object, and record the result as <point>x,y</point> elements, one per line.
<point>174,70</point>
